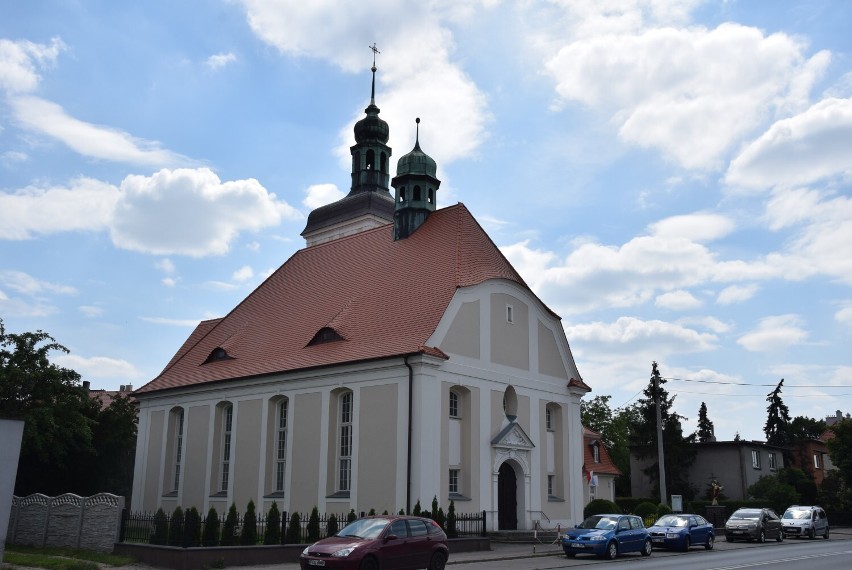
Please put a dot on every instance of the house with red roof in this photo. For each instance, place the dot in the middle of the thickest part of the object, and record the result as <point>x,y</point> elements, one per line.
<point>599,471</point>
<point>397,357</point>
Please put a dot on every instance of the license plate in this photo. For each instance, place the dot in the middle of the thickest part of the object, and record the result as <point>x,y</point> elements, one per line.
<point>316,562</point>
<point>657,540</point>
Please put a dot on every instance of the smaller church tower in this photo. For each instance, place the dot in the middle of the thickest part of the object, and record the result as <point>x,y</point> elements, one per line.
<point>416,185</point>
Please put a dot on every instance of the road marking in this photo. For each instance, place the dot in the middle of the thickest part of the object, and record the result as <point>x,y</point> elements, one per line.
<point>794,559</point>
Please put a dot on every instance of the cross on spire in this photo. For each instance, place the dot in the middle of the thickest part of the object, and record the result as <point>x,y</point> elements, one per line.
<point>375,51</point>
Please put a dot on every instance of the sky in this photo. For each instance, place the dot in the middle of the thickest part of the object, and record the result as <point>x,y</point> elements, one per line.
<point>672,177</point>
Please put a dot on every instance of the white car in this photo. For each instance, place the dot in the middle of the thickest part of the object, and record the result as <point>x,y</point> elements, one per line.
<point>800,521</point>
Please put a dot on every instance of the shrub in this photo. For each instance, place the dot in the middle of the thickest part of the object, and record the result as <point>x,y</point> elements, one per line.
<point>161,528</point>
<point>313,526</point>
<point>600,507</point>
<point>248,534</point>
<point>229,529</point>
<point>272,534</point>
<point>294,530</point>
<point>434,514</point>
<point>210,536</point>
<point>645,509</point>
<point>176,527</point>
<point>372,513</point>
<point>417,509</point>
<point>401,511</point>
<point>452,531</point>
<point>663,509</point>
<point>331,527</point>
<point>351,517</point>
<point>441,518</point>
<point>192,528</point>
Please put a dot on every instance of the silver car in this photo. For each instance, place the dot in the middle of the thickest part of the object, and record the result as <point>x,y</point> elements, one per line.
<point>754,524</point>
<point>805,521</point>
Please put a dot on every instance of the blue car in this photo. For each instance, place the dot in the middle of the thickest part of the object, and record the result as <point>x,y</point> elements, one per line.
<point>681,532</point>
<point>607,536</point>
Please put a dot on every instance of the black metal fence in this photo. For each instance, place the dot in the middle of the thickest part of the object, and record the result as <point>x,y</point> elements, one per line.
<point>141,528</point>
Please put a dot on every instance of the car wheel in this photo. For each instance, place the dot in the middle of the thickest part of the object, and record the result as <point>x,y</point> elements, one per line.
<point>709,544</point>
<point>780,536</point>
<point>825,536</point>
<point>686,544</point>
<point>438,562</point>
<point>611,550</point>
<point>761,538</point>
<point>812,533</point>
<point>647,548</point>
<point>369,563</point>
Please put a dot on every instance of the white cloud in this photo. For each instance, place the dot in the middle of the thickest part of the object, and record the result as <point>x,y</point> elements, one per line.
<point>192,212</point>
<point>12,157</point>
<point>774,333</point>
<point>171,322</point>
<point>97,366</point>
<point>677,301</point>
<point>91,311</point>
<point>416,78</point>
<point>243,274</point>
<point>321,194</point>
<point>86,205</point>
<point>690,92</point>
<point>844,316</point>
<point>694,227</point>
<point>710,323</point>
<point>26,284</point>
<point>220,60</point>
<point>737,294</point>
<point>811,146</point>
<point>94,141</point>
<point>166,266</point>
<point>20,60</point>
<point>629,335</point>
<point>169,281</point>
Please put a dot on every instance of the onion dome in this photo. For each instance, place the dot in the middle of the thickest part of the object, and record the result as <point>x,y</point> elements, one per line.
<point>417,161</point>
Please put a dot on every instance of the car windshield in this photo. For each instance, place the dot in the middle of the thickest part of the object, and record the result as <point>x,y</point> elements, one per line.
<point>599,521</point>
<point>797,514</point>
<point>748,515</point>
<point>364,528</point>
<point>671,520</point>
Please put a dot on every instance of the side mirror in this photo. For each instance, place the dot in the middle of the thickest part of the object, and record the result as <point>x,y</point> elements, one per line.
<point>391,537</point>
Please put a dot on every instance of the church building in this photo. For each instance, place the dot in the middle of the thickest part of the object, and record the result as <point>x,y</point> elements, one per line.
<point>397,357</point>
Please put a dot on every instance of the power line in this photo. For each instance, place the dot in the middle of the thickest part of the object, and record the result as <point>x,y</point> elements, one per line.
<point>759,385</point>
<point>758,395</point>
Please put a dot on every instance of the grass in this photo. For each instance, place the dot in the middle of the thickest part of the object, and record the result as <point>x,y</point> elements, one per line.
<point>60,558</point>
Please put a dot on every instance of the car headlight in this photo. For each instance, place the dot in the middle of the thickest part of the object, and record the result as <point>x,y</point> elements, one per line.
<point>305,551</point>
<point>598,538</point>
<point>752,525</point>
<point>343,552</point>
<point>671,535</point>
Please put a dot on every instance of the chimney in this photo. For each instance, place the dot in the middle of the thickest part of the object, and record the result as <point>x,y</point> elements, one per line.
<point>86,385</point>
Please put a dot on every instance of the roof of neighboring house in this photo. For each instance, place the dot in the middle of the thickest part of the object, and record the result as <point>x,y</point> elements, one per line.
<point>605,466</point>
<point>383,297</point>
<point>107,396</point>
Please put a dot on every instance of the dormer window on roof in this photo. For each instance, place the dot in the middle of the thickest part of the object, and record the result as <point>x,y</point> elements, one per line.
<point>324,335</point>
<point>218,353</point>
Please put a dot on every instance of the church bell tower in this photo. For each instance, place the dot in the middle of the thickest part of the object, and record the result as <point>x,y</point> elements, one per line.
<point>416,185</point>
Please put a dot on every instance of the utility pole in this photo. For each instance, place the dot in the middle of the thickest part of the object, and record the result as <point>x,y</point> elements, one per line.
<point>660,457</point>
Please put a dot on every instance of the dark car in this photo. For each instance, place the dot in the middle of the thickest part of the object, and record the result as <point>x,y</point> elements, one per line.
<point>681,532</point>
<point>607,536</point>
<point>754,524</point>
<point>386,542</point>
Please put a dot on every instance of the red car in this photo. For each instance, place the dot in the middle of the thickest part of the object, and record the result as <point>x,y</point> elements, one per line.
<point>381,542</point>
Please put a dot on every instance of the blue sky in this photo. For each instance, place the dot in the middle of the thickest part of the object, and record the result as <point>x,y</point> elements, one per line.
<point>672,177</point>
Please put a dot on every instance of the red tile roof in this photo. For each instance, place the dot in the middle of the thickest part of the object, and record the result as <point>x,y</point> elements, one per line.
<point>384,297</point>
<point>606,466</point>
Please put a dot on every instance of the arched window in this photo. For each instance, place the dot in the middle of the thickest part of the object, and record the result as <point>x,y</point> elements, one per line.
<point>554,450</point>
<point>431,197</point>
<point>383,162</point>
<point>344,441</point>
<point>402,194</point>
<point>459,445</point>
<point>371,158</point>
<point>176,417</point>
<point>510,403</point>
<point>454,404</point>
<point>227,426</point>
<point>416,196</point>
<point>281,445</point>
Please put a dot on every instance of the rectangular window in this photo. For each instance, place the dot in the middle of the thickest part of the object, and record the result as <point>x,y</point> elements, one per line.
<point>227,423</point>
<point>548,420</point>
<point>755,459</point>
<point>550,485</point>
<point>178,447</point>
<point>454,481</point>
<point>344,469</point>
<point>596,453</point>
<point>454,405</point>
<point>510,317</point>
<point>772,464</point>
<point>817,462</point>
<point>281,457</point>
<point>593,493</point>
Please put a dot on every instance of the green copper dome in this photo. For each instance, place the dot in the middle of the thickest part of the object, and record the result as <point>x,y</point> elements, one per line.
<point>417,161</point>
<point>371,128</point>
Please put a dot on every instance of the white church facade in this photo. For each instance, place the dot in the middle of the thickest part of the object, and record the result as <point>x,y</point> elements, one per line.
<point>396,358</point>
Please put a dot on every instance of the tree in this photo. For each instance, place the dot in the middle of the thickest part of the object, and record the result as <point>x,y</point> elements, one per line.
<point>313,526</point>
<point>705,426</point>
<point>840,450</point>
<point>272,534</point>
<point>614,427</point>
<point>248,534</point>
<point>679,451</point>
<point>777,428</point>
<point>803,427</point>
<point>229,529</point>
<point>69,445</point>
<point>210,536</point>
<point>294,530</point>
<point>776,492</point>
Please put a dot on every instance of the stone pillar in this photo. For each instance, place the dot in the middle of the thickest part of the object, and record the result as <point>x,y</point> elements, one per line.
<point>11,433</point>
<point>716,515</point>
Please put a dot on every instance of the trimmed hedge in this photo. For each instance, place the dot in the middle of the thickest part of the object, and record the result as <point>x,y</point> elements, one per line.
<point>600,507</point>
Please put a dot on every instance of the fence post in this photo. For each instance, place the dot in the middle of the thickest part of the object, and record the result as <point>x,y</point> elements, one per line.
<point>484,524</point>
<point>284,519</point>
<point>125,516</point>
